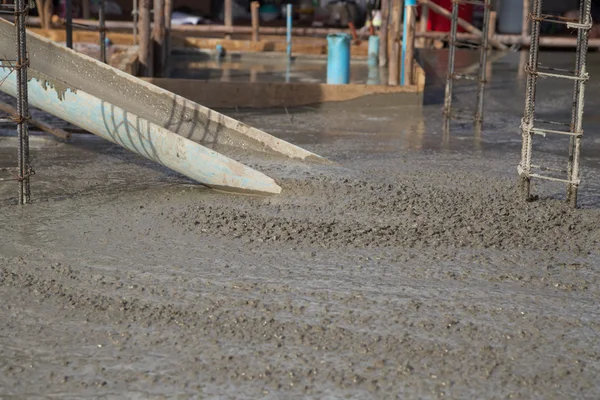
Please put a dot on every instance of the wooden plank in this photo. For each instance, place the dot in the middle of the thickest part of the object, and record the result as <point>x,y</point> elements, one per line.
<point>59,133</point>
<point>217,94</point>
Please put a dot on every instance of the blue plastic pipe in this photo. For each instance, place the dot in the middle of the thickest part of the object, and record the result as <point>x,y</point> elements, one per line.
<point>407,3</point>
<point>338,58</point>
<point>289,30</point>
<point>373,75</point>
<point>373,50</point>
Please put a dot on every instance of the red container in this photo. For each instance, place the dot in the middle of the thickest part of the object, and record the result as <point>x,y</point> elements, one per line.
<point>440,23</point>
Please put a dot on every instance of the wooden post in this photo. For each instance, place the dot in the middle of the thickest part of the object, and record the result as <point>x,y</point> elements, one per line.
<point>255,21</point>
<point>394,61</point>
<point>45,10</point>
<point>492,25</point>
<point>85,9</point>
<point>166,49</point>
<point>526,11</point>
<point>228,16</point>
<point>158,36</point>
<point>411,21</point>
<point>145,58</point>
<point>383,33</point>
<point>423,23</point>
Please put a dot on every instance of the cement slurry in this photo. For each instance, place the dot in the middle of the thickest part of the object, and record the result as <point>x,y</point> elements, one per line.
<point>411,269</point>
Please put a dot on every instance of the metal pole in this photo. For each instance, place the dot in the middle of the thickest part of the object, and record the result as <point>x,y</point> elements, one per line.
<point>69,23</point>
<point>102,31</point>
<point>22,103</point>
<point>528,119</point>
<point>483,64</point>
<point>450,73</point>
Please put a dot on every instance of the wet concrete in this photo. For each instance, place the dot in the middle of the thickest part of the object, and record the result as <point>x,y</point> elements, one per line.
<point>411,269</point>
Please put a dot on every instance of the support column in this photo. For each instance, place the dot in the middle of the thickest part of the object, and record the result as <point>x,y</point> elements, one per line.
<point>145,46</point>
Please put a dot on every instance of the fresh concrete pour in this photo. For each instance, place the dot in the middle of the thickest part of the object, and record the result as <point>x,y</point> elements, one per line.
<point>411,269</point>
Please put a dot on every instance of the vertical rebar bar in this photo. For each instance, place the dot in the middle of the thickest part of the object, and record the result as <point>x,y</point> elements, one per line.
<point>578,102</point>
<point>483,64</point>
<point>450,73</point>
<point>529,114</point>
<point>69,23</point>
<point>22,102</point>
<point>101,18</point>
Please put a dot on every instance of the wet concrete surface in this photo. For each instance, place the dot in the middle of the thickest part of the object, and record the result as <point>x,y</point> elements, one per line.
<point>410,269</point>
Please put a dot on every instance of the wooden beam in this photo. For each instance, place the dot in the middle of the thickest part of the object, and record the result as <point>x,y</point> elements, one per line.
<point>59,133</point>
<point>226,94</point>
<point>255,6</point>
<point>85,9</point>
<point>411,20</point>
<point>146,62</point>
<point>423,22</point>
<point>526,12</point>
<point>383,33</point>
<point>158,37</point>
<point>492,25</point>
<point>394,61</point>
<point>228,16</point>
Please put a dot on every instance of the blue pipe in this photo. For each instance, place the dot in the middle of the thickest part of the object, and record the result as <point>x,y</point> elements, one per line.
<point>338,58</point>
<point>289,30</point>
<point>373,50</point>
<point>407,3</point>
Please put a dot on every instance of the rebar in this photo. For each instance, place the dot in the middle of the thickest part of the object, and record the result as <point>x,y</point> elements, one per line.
<point>585,19</point>
<point>450,74</point>
<point>483,46</point>
<point>482,64</point>
<point>529,113</point>
<point>579,76</point>
<point>102,28</point>
<point>25,171</point>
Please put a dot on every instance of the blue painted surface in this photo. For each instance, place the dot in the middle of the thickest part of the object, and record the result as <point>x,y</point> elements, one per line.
<point>373,50</point>
<point>373,75</point>
<point>338,58</point>
<point>289,30</point>
<point>142,137</point>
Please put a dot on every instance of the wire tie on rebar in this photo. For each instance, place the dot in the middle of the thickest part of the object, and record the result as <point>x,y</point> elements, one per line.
<point>527,127</point>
